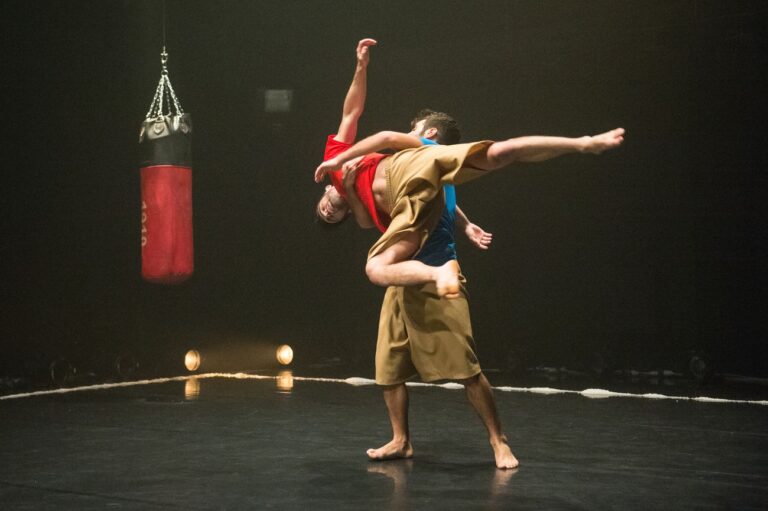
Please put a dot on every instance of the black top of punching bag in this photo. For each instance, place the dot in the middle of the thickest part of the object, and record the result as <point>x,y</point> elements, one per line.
<point>166,141</point>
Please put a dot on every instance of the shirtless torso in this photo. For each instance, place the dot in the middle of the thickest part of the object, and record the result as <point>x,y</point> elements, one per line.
<point>379,188</point>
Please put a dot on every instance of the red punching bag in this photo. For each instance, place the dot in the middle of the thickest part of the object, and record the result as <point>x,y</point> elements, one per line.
<point>167,250</point>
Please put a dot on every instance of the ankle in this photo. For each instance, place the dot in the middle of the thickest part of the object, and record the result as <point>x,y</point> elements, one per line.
<point>584,144</point>
<point>401,439</point>
<point>499,440</point>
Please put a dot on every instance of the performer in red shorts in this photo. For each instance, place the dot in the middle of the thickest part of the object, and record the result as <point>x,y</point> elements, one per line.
<point>407,187</point>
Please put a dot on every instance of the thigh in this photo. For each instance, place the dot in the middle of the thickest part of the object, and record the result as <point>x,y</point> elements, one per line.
<point>401,250</point>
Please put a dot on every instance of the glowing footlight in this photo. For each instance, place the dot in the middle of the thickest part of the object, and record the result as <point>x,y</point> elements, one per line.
<point>192,389</point>
<point>284,354</point>
<point>192,360</point>
<point>284,381</point>
<point>62,372</point>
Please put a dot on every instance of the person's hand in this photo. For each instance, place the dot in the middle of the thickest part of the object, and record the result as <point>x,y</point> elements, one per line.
<point>349,172</point>
<point>362,50</point>
<point>478,236</point>
<point>324,168</point>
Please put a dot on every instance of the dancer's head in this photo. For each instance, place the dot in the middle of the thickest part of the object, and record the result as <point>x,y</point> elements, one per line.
<point>332,208</point>
<point>437,126</point>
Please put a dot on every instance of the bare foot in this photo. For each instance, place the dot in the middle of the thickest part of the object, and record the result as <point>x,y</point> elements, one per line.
<point>394,450</point>
<point>503,454</point>
<point>604,141</point>
<point>447,279</point>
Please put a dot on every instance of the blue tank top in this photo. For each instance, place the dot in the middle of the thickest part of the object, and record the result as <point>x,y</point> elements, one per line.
<point>440,246</point>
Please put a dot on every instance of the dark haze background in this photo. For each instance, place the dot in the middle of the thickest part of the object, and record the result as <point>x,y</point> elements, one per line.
<point>640,255</point>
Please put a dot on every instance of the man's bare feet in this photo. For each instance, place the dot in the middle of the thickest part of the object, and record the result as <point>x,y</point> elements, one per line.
<point>394,450</point>
<point>604,141</point>
<point>447,279</point>
<point>503,454</point>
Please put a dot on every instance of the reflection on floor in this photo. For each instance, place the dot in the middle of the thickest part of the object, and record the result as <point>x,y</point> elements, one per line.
<point>285,442</point>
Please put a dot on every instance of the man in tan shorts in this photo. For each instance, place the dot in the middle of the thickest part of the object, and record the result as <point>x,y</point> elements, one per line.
<point>419,333</point>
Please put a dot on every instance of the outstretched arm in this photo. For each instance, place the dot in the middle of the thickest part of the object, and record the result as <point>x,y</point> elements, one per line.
<point>354,103</point>
<point>475,233</point>
<point>379,141</point>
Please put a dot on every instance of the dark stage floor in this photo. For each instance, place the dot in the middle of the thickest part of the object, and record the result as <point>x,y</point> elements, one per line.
<point>223,443</point>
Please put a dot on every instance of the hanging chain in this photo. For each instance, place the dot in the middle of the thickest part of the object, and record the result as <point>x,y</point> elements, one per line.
<point>164,94</point>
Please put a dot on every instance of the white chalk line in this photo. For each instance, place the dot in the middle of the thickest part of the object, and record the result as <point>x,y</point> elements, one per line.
<point>357,381</point>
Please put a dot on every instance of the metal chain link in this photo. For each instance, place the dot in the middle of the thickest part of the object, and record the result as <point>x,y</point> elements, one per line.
<point>156,110</point>
<point>156,101</point>
<point>176,103</point>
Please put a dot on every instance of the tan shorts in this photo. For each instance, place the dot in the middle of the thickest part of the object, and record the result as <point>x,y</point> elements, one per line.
<point>423,334</point>
<point>414,179</point>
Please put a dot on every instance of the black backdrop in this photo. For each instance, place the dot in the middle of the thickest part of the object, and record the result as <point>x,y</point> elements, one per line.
<point>642,255</point>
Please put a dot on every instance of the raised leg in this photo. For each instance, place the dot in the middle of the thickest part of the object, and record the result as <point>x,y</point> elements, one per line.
<point>540,148</point>
<point>396,399</point>
<point>480,396</point>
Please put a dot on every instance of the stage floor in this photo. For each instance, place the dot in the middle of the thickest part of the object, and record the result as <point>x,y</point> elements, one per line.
<point>225,443</point>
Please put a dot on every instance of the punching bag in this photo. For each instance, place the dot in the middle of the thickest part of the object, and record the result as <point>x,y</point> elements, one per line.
<point>167,250</point>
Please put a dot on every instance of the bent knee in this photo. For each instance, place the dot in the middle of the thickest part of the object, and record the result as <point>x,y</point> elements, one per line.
<point>374,272</point>
<point>494,156</point>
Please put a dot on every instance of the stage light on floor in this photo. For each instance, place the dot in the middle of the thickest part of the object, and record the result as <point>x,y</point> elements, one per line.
<point>192,360</point>
<point>700,367</point>
<point>192,389</point>
<point>284,354</point>
<point>62,372</point>
<point>284,381</point>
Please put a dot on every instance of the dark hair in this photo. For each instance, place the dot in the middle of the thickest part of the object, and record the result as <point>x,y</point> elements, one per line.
<point>447,128</point>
